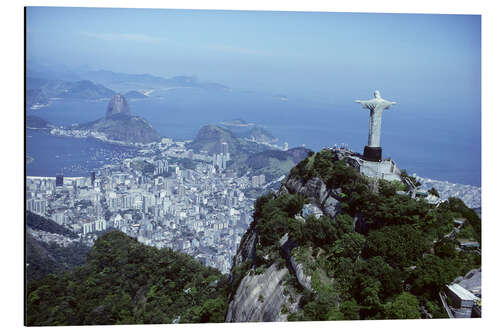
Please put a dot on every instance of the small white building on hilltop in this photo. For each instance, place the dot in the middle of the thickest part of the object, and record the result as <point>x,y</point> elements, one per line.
<point>460,300</point>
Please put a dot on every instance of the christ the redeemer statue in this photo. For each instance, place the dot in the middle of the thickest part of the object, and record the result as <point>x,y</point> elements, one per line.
<point>373,152</point>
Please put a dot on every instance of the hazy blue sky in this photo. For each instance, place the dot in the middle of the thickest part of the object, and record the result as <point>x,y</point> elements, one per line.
<point>431,58</point>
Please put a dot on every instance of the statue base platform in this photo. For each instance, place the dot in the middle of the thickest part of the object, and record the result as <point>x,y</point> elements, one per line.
<point>373,154</point>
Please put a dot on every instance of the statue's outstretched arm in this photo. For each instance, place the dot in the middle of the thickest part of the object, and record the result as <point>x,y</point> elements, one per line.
<point>388,104</point>
<point>363,103</point>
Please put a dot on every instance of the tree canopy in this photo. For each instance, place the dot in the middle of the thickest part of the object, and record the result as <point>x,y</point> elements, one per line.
<point>125,282</point>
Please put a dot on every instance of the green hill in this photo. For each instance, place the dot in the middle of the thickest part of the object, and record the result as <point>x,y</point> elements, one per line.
<point>125,282</point>
<point>242,129</point>
<point>333,244</point>
<point>124,128</point>
<point>211,137</point>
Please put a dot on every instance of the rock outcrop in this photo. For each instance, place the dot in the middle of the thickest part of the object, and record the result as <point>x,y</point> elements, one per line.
<point>117,105</point>
<point>259,297</point>
<point>315,190</point>
<point>274,290</point>
<point>120,125</point>
<point>263,295</point>
<point>295,268</point>
<point>246,251</point>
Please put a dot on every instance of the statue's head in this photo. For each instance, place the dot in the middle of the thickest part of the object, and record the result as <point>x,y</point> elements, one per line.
<point>377,94</point>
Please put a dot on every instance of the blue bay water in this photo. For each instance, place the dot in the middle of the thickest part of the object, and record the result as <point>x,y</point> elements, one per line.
<point>435,143</point>
<point>71,156</point>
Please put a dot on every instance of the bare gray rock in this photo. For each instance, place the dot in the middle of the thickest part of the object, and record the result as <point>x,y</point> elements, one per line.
<point>315,190</point>
<point>246,250</point>
<point>296,269</point>
<point>303,279</point>
<point>117,104</point>
<point>331,206</point>
<point>259,297</point>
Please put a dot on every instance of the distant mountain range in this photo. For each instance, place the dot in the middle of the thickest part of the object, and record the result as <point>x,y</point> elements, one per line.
<point>121,81</point>
<point>39,91</point>
<point>45,82</point>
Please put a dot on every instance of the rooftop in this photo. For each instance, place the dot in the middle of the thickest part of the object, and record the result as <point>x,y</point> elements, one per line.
<point>461,292</point>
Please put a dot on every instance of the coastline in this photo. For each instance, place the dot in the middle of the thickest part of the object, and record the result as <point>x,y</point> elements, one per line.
<point>470,194</point>
<point>86,134</point>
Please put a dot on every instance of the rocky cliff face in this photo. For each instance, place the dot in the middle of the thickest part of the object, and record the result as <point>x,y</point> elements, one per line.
<point>262,293</point>
<point>259,297</point>
<point>117,105</point>
<point>271,293</point>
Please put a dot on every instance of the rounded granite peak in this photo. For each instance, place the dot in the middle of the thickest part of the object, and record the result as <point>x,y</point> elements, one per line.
<point>117,104</point>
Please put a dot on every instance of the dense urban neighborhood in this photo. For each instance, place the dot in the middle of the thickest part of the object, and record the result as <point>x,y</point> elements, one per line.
<point>167,196</point>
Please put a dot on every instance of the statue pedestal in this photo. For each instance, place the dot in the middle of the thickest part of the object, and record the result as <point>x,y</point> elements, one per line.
<point>373,154</point>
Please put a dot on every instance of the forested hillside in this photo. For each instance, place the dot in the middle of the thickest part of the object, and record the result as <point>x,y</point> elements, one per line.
<point>371,254</point>
<point>125,282</point>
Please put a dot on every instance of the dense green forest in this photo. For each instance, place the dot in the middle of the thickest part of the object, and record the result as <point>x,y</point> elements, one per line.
<point>397,263</point>
<point>125,282</point>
